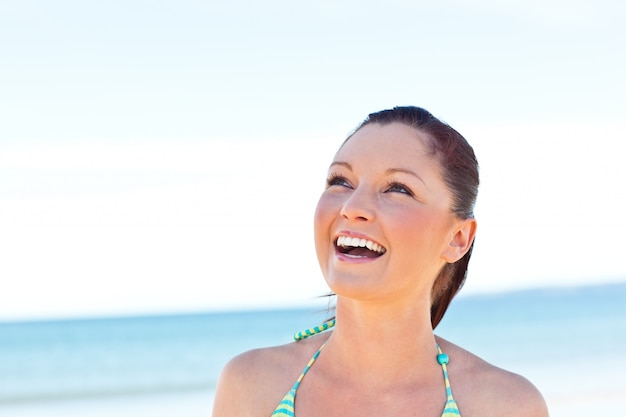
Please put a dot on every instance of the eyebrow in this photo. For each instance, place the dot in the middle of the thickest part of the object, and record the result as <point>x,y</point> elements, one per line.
<point>405,171</point>
<point>343,164</point>
<point>389,171</point>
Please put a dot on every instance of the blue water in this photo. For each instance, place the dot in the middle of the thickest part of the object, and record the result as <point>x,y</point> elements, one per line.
<point>541,326</point>
<point>543,331</point>
<point>73,358</point>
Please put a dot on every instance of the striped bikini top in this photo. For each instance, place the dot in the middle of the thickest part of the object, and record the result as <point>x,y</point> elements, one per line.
<point>286,407</point>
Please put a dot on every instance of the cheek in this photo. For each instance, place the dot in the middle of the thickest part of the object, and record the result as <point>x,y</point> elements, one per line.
<point>417,232</point>
<point>325,212</point>
<point>321,224</point>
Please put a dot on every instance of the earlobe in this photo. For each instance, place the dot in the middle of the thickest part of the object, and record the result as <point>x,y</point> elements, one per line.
<point>461,240</point>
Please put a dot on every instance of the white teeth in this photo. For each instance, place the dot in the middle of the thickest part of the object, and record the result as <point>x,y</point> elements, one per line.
<point>355,242</point>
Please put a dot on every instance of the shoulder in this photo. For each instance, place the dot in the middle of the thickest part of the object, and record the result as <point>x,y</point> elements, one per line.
<point>482,389</point>
<point>253,383</point>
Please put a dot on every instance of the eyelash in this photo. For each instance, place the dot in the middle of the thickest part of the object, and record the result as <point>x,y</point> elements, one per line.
<point>395,184</point>
<point>337,179</point>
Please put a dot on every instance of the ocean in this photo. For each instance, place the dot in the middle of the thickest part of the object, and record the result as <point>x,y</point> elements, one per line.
<point>570,342</point>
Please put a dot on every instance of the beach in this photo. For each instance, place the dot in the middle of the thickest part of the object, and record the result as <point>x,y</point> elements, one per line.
<point>198,404</point>
<point>570,342</point>
<point>597,394</point>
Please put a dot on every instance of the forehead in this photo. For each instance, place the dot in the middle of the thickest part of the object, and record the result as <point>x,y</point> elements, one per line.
<point>392,143</point>
<point>377,151</point>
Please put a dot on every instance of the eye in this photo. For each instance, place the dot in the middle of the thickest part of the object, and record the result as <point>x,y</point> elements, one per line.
<point>336,179</point>
<point>397,187</point>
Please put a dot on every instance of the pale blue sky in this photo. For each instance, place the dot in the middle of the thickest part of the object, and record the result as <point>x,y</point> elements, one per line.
<point>144,145</point>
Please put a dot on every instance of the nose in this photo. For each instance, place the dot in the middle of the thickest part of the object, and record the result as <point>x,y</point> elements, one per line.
<point>358,206</point>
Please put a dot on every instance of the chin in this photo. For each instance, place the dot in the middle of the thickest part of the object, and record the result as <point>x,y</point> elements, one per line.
<point>352,287</point>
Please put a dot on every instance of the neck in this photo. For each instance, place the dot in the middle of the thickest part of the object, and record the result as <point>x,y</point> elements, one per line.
<point>387,341</point>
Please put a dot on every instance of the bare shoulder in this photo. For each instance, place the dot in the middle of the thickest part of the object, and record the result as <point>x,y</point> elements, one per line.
<point>253,383</point>
<point>484,390</point>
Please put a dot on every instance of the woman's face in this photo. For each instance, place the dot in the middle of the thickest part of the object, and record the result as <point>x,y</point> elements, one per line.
<point>383,225</point>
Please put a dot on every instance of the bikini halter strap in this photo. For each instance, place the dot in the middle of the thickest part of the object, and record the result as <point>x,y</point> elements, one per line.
<point>442,358</point>
<point>314,330</point>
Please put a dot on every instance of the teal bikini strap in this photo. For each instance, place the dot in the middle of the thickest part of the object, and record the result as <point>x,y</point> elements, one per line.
<point>314,330</point>
<point>451,408</point>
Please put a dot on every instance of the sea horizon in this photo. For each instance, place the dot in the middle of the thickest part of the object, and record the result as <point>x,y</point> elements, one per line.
<point>552,336</point>
<point>318,302</point>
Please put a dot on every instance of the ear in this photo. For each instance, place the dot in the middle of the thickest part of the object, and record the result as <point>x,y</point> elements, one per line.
<point>460,241</point>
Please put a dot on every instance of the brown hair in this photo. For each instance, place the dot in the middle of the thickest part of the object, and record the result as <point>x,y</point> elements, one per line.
<point>460,173</point>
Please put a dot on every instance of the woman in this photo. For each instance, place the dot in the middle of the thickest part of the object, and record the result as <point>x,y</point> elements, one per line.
<point>394,230</point>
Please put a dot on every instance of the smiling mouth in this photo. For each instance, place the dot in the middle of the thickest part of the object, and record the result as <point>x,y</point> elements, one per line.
<point>358,248</point>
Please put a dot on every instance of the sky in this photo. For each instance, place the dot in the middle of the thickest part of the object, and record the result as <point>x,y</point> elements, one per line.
<point>167,156</point>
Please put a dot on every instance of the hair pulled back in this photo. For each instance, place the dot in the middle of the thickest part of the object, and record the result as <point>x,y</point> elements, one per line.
<point>459,169</point>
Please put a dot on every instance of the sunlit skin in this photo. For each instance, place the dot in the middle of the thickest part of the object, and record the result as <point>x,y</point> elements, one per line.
<point>385,185</point>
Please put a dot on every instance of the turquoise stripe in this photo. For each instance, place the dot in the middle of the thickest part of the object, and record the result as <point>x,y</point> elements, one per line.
<point>314,330</point>
<point>283,411</point>
<point>286,401</point>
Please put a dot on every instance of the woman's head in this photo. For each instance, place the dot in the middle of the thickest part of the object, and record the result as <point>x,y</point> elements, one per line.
<point>459,169</point>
